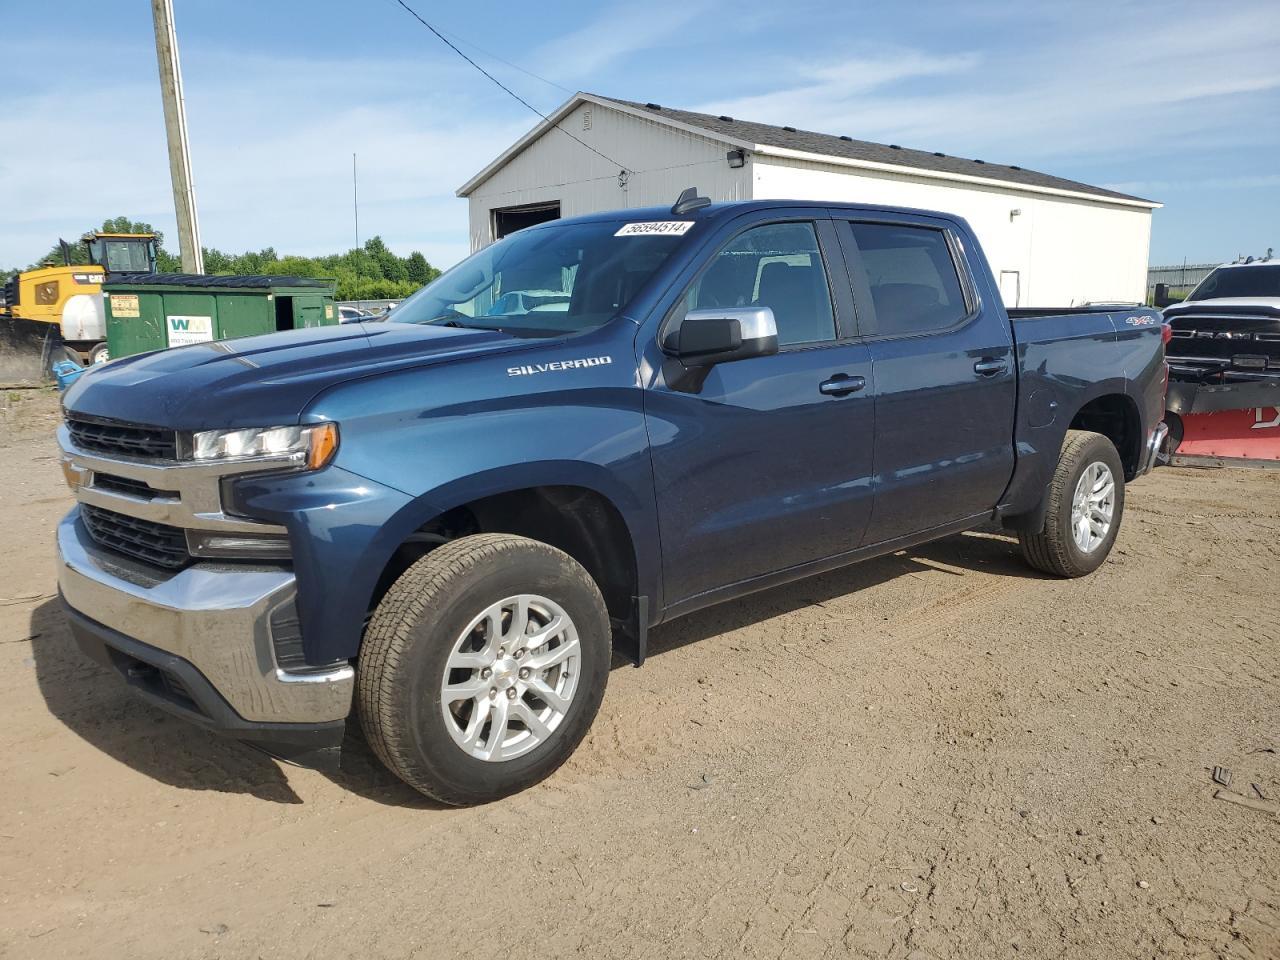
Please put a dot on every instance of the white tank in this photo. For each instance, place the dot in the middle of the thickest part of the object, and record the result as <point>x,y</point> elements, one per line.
<point>84,318</point>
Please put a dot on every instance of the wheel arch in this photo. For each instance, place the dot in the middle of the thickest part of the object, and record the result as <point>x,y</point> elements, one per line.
<point>1106,409</point>
<point>1115,415</point>
<point>570,506</point>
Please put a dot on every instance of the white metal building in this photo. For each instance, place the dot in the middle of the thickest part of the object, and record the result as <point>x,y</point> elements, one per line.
<point>1050,241</point>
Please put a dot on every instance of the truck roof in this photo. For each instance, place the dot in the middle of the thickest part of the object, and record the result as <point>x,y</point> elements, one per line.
<point>715,211</point>
<point>1251,262</point>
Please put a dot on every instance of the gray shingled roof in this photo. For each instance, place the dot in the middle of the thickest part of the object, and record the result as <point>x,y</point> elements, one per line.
<point>834,146</point>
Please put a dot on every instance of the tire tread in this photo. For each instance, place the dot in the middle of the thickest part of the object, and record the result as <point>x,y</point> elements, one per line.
<point>1048,550</point>
<point>389,634</point>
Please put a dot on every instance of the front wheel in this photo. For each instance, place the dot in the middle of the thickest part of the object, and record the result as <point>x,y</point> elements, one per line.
<point>1086,503</point>
<point>99,354</point>
<point>483,667</point>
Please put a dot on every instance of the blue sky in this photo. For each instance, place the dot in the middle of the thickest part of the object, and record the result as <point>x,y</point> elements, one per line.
<point>1177,101</point>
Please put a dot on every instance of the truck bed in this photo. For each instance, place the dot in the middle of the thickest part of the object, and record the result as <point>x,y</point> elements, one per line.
<point>1028,313</point>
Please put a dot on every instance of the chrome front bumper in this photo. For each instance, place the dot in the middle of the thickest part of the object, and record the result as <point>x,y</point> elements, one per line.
<point>215,617</point>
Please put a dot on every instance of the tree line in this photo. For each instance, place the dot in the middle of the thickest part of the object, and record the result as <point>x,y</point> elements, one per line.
<point>368,272</point>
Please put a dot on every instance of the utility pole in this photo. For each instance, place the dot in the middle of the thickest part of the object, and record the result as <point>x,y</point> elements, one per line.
<point>175,126</point>
<point>355,201</point>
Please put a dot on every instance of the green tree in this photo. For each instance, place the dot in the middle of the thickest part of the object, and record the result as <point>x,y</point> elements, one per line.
<point>390,266</point>
<point>215,261</point>
<point>420,272</point>
<point>166,262</point>
<point>369,272</point>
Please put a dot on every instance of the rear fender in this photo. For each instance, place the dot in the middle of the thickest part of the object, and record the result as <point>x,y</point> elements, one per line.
<point>1039,445</point>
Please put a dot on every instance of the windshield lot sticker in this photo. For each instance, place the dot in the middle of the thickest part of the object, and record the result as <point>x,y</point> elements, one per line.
<point>656,228</point>
<point>558,365</point>
<point>184,331</point>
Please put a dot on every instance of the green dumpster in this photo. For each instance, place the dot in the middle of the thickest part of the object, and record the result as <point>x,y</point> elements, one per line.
<point>154,311</point>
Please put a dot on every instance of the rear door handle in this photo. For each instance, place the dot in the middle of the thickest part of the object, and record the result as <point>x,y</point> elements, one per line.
<point>841,385</point>
<point>990,366</point>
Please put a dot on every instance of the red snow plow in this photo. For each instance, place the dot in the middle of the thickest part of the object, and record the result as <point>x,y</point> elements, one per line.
<point>1251,433</point>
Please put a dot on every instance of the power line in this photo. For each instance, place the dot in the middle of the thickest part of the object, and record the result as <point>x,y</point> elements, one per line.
<point>502,86</point>
<point>506,63</point>
<point>493,56</point>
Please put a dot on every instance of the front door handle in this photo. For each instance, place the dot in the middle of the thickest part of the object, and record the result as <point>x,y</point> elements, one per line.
<point>990,366</point>
<point>841,385</point>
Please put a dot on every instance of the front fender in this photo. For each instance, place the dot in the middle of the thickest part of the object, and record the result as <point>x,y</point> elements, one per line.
<point>418,443</point>
<point>346,528</point>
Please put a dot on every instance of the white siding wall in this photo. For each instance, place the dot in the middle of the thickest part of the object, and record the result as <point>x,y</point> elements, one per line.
<point>1065,251</point>
<point>553,167</point>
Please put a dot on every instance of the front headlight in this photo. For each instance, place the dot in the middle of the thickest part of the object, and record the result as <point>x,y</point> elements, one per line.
<point>316,443</point>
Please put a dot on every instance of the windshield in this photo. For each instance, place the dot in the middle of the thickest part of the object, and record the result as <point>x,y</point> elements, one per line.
<point>1259,280</point>
<point>543,281</point>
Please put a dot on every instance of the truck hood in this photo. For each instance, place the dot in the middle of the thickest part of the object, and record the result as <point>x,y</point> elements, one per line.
<point>265,380</point>
<point>1244,306</point>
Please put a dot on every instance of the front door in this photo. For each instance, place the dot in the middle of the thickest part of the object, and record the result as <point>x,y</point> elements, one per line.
<point>945,378</point>
<point>765,463</point>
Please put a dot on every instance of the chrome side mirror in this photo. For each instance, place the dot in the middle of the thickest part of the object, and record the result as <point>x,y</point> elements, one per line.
<point>723,334</point>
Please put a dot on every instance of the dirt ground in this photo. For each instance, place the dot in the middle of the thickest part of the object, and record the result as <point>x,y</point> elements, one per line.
<point>939,754</point>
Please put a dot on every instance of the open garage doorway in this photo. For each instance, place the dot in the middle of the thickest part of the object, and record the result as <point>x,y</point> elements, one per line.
<point>507,220</point>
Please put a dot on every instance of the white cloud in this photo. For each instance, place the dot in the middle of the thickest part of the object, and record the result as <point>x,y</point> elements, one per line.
<point>823,95</point>
<point>266,173</point>
<point>1142,78</point>
<point>618,33</point>
<point>1112,89</point>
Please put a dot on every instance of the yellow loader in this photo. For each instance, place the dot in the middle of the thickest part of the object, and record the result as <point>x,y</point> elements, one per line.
<point>56,312</point>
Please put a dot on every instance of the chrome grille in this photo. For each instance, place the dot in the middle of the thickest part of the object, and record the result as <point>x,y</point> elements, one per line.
<point>134,488</point>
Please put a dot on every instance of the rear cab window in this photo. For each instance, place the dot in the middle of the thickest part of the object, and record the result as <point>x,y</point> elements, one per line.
<point>910,275</point>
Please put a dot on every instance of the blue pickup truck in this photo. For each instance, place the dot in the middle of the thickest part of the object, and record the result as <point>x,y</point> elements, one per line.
<point>447,524</point>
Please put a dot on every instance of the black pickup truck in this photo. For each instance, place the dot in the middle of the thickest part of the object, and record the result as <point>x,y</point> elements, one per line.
<point>449,521</point>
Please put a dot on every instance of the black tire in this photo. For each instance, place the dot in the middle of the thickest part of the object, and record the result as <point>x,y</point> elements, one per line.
<point>99,354</point>
<point>1054,549</point>
<point>412,634</point>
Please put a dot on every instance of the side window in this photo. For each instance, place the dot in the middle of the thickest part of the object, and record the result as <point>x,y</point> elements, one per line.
<point>776,265</point>
<point>912,277</point>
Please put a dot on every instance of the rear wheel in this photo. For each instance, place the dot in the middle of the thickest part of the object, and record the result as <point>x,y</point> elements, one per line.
<point>1086,503</point>
<point>483,667</point>
<point>99,354</point>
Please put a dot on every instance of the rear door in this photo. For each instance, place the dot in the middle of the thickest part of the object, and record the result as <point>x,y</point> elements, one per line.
<point>944,370</point>
<point>765,463</point>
